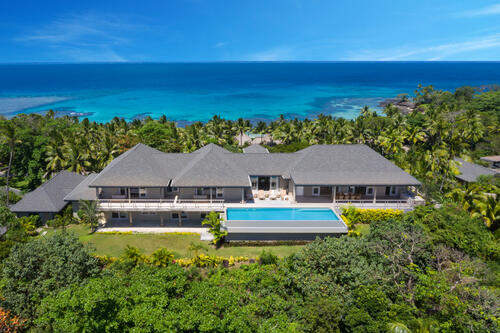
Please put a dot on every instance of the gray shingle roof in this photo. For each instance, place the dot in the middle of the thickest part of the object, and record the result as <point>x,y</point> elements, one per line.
<point>82,191</point>
<point>346,165</point>
<point>254,149</point>
<point>215,166</point>
<point>141,166</point>
<point>49,197</point>
<point>212,167</point>
<point>470,171</point>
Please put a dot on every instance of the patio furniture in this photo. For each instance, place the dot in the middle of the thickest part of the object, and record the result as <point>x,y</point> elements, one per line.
<point>261,195</point>
<point>272,195</point>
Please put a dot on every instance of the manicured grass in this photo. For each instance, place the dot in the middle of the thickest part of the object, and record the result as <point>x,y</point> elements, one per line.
<point>114,245</point>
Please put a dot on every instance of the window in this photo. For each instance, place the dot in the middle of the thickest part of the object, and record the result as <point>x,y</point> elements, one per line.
<point>203,215</point>
<point>369,191</point>
<point>184,215</point>
<point>352,189</point>
<point>118,215</point>
<point>134,192</point>
<point>123,191</point>
<point>315,191</point>
<point>219,192</point>
<point>175,216</point>
<point>172,189</point>
<point>274,183</point>
<point>142,192</point>
<point>255,183</point>
<point>148,213</point>
<point>393,190</point>
<point>199,191</point>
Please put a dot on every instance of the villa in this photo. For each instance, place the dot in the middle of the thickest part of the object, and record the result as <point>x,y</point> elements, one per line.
<point>261,195</point>
<point>146,187</point>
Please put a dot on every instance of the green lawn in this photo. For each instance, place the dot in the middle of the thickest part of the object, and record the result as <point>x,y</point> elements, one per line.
<point>113,245</point>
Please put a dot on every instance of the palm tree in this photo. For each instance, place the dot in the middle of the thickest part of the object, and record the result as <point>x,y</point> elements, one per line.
<point>90,213</point>
<point>8,134</point>
<point>241,126</point>
<point>260,129</point>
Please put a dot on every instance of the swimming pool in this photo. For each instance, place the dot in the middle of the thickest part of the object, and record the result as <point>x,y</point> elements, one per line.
<point>281,214</point>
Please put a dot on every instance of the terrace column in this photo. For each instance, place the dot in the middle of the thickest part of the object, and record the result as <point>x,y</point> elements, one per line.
<point>161,219</point>
<point>97,193</point>
<point>180,219</point>
<point>374,195</point>
<point>211,194</point>
<point>242,195</point>
<point>334,193</point>
<point>130,217</point>
<point>161,193</point>
<point>128,191</point>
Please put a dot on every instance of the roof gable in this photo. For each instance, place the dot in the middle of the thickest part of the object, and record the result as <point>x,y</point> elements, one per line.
<point>49,197</point>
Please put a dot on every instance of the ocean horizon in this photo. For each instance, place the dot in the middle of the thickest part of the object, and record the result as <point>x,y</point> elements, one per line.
<point>188,92</point>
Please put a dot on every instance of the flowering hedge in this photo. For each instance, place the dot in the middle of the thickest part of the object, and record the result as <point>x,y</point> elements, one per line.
<point>368,215</point>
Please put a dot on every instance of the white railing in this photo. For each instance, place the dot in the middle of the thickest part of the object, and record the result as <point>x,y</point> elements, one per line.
<point>386,203</point>
<point>160,204</point>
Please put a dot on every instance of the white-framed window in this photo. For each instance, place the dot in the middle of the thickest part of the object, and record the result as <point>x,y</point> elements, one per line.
<point>390,190</point>
<point>369,191</point>
<point>273,182</point>
<point>315,191</point>
<point>148,213</point>
<point>352,189</point>
<point>119,215</point>
<point>255,182</point>
<point>142,192</point>
<point>219,192</point>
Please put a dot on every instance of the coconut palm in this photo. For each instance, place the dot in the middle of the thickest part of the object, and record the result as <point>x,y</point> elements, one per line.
<point>241,126</point>
<point>9,135</point>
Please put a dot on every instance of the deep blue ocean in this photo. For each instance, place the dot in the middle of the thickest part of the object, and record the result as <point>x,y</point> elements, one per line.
<point>188,92</point>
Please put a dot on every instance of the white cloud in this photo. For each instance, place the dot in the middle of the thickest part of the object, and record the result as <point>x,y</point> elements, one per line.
<point>274,54</point>
<point>489,10</point>
<point>431,53</point>
<point>84,37</point>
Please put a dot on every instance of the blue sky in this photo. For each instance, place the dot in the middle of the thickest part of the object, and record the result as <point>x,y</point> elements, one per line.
<point>240,30</point>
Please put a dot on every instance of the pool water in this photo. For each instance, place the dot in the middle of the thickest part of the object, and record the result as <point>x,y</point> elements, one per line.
<point>281,214</point>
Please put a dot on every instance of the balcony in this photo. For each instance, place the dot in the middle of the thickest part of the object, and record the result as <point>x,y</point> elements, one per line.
<point>161,204</point>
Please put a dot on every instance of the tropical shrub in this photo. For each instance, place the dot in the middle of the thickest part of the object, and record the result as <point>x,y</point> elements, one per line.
<point>268,258</point>
<point>10,323</point>
<point>369,215</point>
<point>214,221</point>
<point>161,257</point>
<point>43,266</point>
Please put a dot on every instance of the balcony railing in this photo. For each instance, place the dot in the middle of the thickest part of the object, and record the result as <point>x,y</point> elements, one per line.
<point>142,204</point>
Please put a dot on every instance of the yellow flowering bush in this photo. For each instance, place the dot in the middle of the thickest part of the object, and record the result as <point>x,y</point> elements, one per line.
<point>369,215</point>
<point>114,232</point>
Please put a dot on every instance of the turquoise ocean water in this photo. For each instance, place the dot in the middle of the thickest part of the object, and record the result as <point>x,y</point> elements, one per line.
<point>188,92</point>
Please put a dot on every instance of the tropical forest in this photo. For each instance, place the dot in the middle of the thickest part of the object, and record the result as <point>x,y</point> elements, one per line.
<point>433,269</point>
